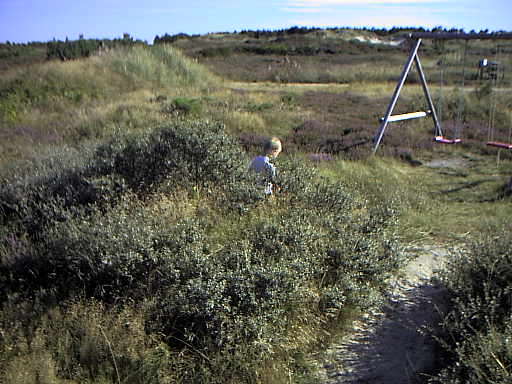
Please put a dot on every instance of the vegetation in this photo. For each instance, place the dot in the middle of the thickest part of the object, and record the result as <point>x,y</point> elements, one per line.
<point>135,247</point>
<point>70,50</point>
<point>476,329</point>
<point>239,291</point>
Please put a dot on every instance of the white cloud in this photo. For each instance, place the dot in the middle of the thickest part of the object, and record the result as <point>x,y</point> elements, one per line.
<point>387,21</point>
<point>328,6</point>
<point>390,17</point>
<point>378,13</point>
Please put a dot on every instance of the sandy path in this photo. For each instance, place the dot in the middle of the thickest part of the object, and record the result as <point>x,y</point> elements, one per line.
<point>390,346</point>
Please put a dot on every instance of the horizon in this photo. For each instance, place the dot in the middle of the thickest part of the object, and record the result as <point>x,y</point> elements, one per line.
<point>25,21</point>
<point>370,29</point>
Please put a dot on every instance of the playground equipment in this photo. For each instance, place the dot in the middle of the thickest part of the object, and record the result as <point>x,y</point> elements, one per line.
<point>416,39</point>
<point>490,70</point>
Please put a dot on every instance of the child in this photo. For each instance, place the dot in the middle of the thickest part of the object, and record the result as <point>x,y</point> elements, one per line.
<point>261,164</point>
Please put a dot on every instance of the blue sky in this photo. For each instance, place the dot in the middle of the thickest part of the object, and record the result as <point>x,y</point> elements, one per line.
<point>42,20</point>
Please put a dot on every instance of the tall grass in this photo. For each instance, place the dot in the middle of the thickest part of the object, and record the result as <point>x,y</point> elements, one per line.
<point>161,66</point>
<point>85,342</point>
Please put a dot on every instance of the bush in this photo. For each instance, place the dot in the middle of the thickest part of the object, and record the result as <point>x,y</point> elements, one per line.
<point>183,105</point>
<point>216,52</point>
<point>236,295</point>
<point>97,259</point>
<point>179,154</point>
<point>75,49</point>
<point>231,284</point>
<point>182,154</point>
<point>33,204</point>
<point>477,327</point>
<point>69,50</point>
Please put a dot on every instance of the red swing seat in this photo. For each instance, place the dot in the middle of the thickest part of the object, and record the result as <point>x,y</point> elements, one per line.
<point>499,145</point>
<point>443,140</point>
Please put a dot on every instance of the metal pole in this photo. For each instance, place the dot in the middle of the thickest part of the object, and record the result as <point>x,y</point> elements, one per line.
<point>403,76</point>
<point>437,125</point>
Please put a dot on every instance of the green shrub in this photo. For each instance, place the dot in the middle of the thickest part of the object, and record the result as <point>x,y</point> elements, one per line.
<point>34,203</point>
<point>295,178</point>
<point>216,52</point>
<point>169,39</point>
<point>69,50</point>
<point>483,357</point>
<point>181,153</point>
<point>184,105</point>
<point>476,328</point>
<point>289,99</point>
<point>75,49</point>
<point>229,285</point>
<point>10,106</point>
<point>238,294</point>
<point>259,107</point>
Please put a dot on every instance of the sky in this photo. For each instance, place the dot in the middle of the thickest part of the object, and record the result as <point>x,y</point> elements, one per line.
<point>23,21</point>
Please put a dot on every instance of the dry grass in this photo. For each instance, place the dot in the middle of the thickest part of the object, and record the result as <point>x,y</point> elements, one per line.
<point>447,203</point>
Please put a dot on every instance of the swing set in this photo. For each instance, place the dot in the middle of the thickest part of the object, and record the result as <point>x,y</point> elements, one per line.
<point>416,39</point>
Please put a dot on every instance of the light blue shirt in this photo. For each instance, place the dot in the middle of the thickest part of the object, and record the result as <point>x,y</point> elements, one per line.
<point>262,165</point>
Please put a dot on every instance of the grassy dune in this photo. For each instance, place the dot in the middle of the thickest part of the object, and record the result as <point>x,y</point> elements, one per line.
<point>94,98</point>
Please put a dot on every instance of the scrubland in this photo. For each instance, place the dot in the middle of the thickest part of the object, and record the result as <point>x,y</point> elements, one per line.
<point>135,247</point>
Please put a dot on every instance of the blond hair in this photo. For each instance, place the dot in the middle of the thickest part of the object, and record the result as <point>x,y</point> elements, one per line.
<point>273,144</point>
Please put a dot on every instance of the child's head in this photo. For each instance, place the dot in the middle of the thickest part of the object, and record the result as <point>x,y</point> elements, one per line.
<point>272,147</point>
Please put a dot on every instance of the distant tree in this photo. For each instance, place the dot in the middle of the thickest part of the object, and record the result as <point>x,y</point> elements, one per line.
<point>69,49</point>
<point>169,39</point>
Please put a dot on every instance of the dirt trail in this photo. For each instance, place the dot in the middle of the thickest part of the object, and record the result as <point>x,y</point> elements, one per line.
<point>391,346</point>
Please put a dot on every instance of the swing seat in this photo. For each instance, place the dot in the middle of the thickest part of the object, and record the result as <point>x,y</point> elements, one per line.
<point>499,145</point>
<point>443,140</point>
<point>406,116</point>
